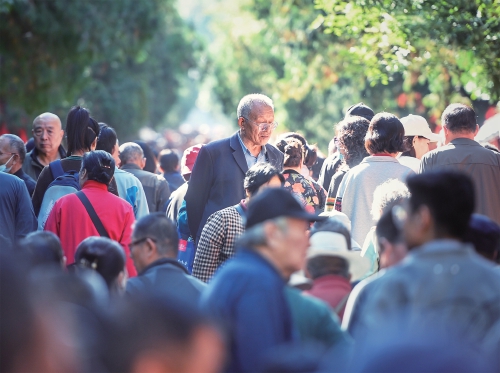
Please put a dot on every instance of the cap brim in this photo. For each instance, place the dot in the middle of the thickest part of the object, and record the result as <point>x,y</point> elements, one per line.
<point>434,137</point>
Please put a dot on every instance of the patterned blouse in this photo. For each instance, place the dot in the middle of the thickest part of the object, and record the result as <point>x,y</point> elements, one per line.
<point>311,195</point>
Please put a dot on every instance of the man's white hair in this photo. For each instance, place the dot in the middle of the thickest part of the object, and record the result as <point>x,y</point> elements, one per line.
<point>247,103</point>
<point>386,195</point>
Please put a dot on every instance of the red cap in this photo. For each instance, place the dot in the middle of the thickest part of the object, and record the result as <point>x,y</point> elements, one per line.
<point>188,158</point>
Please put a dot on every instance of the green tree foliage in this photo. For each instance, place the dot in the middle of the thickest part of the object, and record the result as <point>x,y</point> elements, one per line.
<point>452,46</point>
<point>125,60</point>
<point>272,47</point>
<point>314,60</point>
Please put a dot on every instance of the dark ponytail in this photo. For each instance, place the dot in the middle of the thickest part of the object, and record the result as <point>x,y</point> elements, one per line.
<point>81,130</point>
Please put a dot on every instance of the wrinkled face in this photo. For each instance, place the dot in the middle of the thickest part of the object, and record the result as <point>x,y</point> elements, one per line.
<point>289,247</point>
<point>48,135</point>
<point>254,128</point>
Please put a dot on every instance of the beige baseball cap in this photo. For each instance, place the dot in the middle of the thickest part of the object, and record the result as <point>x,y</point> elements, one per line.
<point>415,125</point>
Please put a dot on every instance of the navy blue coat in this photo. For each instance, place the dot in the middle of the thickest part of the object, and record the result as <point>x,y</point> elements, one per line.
<point>217,179</point>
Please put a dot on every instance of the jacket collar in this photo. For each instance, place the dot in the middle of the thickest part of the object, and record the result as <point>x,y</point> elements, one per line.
<point>238,155</point>
<point>443,246</point>
<point>92,184</point>
<point>379,158</point>
<point>464,141</point>
<point>34,154</point>
<point>163,261</point>
<point>130,166</point>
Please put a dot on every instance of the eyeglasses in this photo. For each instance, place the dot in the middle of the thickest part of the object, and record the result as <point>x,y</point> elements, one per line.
<point>140,240</point>
<point>7,153</point>
<point>264,126</point>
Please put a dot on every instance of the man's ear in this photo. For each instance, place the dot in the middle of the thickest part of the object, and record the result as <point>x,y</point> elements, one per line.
<point>143,162</point>
<point>241,120</point>
<point>477,130</point>
<point>273,234</point>
<point>151,246</point>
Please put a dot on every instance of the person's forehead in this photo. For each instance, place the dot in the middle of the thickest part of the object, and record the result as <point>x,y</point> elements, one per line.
<point>47,123</point>
<point>297,222</point>
<point>261,110</point>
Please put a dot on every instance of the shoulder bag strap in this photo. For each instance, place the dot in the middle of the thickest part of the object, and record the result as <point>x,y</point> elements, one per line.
<point>93,215</point>
<point>341,304</point>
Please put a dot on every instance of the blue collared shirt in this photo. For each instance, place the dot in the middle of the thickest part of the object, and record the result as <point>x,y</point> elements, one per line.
<point>249,157</point>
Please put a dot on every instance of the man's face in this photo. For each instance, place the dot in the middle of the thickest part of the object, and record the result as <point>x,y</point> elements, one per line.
<point>48,135</point>
<point>6,158</point>
<point>139,252</point>
<point>289,247</point>
<point>254,128</point>
<point>418,227</point>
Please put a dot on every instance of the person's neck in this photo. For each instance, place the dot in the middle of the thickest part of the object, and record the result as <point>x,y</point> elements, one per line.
<point>459,135</point>
<point>393,155</point>
<point>78,153</point>
<point>14,169</point>
<point>267,255</point>
<point>253,148</point>
<point>45,158</point>
<point>297,169</point>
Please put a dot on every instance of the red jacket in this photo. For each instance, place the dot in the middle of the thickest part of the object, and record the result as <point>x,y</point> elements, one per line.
<point>332,289</point>
<point>70,221</point>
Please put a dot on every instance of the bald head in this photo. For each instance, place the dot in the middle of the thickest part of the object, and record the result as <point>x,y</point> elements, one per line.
<point>48,118</point>
<point>130,152</point>
<point>48,134</point>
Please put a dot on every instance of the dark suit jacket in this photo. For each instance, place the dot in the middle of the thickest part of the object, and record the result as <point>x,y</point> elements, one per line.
<point>217,179</point>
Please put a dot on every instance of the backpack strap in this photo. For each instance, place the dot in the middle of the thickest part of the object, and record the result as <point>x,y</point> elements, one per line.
<point>93,215</point>
<point>56,168</point>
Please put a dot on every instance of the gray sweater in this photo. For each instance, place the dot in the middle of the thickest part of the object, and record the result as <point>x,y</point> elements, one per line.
<point>356,190</point>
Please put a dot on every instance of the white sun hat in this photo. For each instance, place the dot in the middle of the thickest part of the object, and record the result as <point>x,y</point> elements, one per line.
<point>334,244</point>
<point>415,125</point>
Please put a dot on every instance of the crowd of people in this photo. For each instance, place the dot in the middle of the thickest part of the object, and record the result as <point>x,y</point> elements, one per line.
<point>250,256</point>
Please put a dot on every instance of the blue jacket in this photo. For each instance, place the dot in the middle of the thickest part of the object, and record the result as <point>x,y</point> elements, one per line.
<point>217,179</point>
<point>167,276</point>
<point>247,297</point>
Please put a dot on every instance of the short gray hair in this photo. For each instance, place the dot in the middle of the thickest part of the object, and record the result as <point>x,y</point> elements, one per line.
<point>387,195</point>
<point>130,152</point>
<point>256,236</point>
<point>16,145</point>
<point>248,102</point>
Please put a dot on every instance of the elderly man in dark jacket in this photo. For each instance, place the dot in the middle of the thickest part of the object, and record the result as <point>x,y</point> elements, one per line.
<point>154,252</point>
<point>217,178</point>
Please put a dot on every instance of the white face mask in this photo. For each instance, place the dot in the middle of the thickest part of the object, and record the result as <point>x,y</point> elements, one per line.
<point>3,167</point>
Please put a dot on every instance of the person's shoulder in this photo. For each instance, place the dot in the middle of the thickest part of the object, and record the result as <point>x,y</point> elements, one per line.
<point>218,144</point>
<point>314,306</point>
<point>10,181</point>
<point>226,213</point>
<point>246,270</point>
<point>71,164</point>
